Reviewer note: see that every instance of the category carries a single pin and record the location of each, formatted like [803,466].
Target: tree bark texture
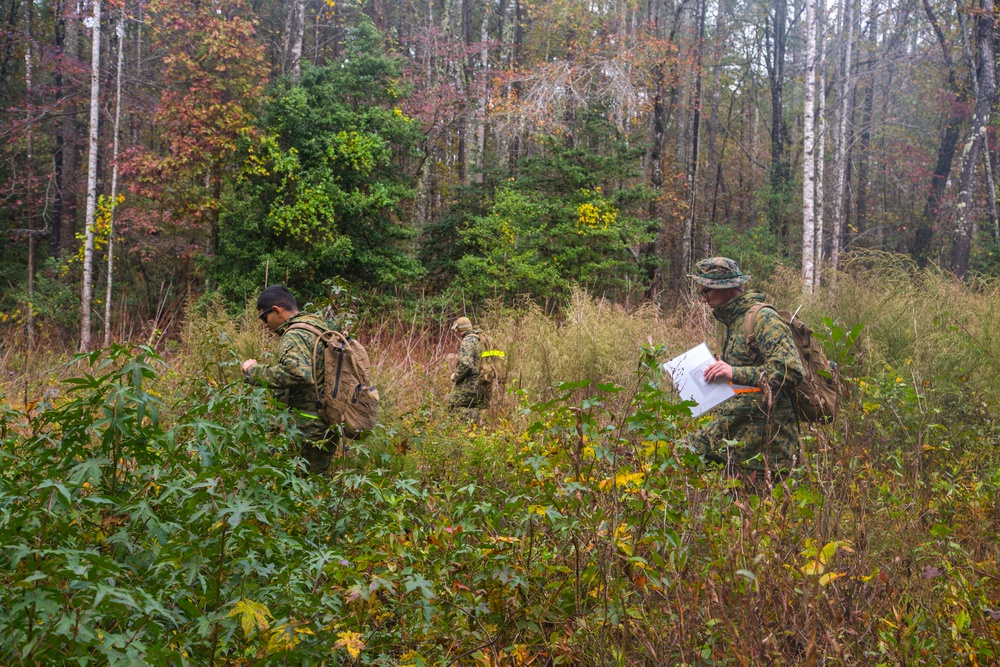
[986,90]
[87,288]
[809,154]
[120,31]
[843,130]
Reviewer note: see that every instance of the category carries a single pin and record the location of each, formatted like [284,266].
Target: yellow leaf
[351,641]
[826,555]
[282,638]
[869,577]
[251,614]
[813,568]
[828,577]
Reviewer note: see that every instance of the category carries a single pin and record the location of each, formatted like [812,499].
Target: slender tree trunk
[484,88]
[120,30]
[317,31]
[690,228]
[843,116]
[714,160]
[820,139]
[985,96]
[776,74]
[59,32]
[809,154]
[865,147]
[88,248]
[70,131]
[465,76]
[29,313]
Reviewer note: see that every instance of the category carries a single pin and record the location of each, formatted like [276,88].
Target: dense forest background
[154,149]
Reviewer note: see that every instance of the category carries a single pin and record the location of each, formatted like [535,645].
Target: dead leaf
[930,572]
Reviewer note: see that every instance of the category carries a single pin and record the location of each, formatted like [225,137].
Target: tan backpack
[817,397]
[493,368]
[347,397]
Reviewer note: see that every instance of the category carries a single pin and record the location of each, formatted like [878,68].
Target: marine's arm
[782,366]
[294,367]
[467,358]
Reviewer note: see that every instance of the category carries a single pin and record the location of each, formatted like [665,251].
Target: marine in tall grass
[469,394]
[294,378]
[754,434]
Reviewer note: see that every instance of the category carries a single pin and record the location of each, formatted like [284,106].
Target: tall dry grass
[925,322]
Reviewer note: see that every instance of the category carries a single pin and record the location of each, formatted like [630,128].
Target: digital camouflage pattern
[764,423]
[469,393]
[718,273]
[293,381]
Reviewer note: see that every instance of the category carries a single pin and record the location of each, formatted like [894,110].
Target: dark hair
[277,295]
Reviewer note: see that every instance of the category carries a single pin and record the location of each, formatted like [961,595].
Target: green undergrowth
[152,511]
[140,530]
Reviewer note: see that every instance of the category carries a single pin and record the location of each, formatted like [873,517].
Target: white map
[688,373]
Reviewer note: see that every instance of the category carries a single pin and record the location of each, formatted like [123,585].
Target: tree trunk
[29,314]
[986,90]
[991,188]
[820,139]
[690,228]
[776,74]
[865,147]
[714,160]
[70,132]
[809,154]
[484,88]
[924,234]
[844,113]
[295,28]
[120,31]
[88,248]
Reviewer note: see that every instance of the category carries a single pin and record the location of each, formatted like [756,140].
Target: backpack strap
[751,320]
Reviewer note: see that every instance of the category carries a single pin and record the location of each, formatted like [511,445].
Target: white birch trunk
[809,155]
[88,247]
[843,114]
[294,38]
[821,139]
[986,90]
[484,63]
[120,30]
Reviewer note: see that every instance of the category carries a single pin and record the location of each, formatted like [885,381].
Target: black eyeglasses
[704,290]
[263,316]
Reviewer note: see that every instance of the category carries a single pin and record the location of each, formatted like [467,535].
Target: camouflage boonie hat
[718,273]
[462,324]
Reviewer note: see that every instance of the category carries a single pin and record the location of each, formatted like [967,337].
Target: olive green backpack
[347,397]
[817,397]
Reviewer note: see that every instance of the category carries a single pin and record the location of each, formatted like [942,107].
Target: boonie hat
[462,324]
[718,273]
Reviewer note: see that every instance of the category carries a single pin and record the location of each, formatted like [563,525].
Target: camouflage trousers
[744,436]
[317,445]
[467,400]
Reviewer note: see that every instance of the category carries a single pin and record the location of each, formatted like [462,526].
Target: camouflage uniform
[469,393]
[763,423]
[294,374]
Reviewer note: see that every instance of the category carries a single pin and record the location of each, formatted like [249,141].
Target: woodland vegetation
[158,149]
[552,169]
